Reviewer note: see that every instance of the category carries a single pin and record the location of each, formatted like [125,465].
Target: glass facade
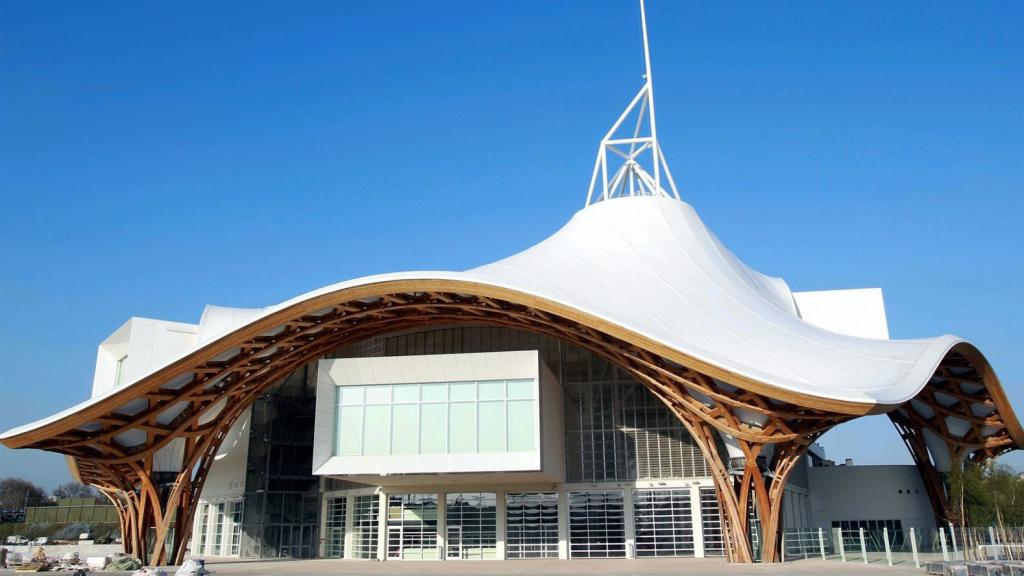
[412,527]
[236,528]
[471,526]
[281,516]
[597,524]
[531,525]
[365,526]
[436,418]
[711,521]
[663,522]
[334,525]
[615,431]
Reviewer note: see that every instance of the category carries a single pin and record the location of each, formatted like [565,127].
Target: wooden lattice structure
[188,407]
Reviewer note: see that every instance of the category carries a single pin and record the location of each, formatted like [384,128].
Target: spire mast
[655,149]
[629,150]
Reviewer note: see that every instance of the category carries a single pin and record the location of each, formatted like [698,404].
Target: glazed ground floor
[491,523]
[479,521]
[648,519]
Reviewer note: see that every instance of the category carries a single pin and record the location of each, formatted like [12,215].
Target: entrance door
[453,540]
[412,527]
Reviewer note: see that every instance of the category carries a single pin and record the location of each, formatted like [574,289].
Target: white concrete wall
[148,344]
[859,312]
[227,474]
[552,425]
[870,493]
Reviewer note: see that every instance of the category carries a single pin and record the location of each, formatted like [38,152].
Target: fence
[71,514]
[905,547]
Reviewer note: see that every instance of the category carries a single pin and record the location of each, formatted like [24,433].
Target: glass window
[494,390]
[407,393]
[350,431]
[435,392]
[405,429]
[365,527]
[377,394]
[597,527]
[521,429]
[463,391]
[492,426]
[462,427]
[377,431]
[471,524]
[532,525]
[436,418]
[520,389]
[434,429]
[350,394]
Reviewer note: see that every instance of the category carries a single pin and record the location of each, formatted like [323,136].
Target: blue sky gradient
[156,157]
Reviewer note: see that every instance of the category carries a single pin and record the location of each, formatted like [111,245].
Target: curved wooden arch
[960,409]
[195,400]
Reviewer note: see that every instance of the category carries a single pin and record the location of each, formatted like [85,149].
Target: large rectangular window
[531,525]
[412,526]
[236,527]
[597,525]
[480,417]
[711,521]
[218,535]
[365,526]
[664,523]
[471,521]
[335,526]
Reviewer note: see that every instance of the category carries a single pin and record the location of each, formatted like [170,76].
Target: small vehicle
[17,540]
[41,541]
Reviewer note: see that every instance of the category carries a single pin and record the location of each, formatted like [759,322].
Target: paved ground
[651,567]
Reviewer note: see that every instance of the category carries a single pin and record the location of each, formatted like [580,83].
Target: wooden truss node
[955,417]
[189,406]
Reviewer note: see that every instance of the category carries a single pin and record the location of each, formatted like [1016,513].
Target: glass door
[471,518]
[412,526]
[453,541]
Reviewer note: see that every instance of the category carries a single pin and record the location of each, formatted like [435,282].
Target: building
[625,388]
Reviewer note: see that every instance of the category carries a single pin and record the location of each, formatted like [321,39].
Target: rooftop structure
[634,278]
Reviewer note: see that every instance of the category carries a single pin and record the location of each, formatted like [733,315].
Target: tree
[987,495]
[74,490]
[17,493]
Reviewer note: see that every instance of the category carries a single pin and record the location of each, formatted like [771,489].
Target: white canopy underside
[651,266]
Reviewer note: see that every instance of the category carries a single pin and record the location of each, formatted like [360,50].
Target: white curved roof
[650,265]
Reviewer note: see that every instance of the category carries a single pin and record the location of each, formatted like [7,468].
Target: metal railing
[906,547]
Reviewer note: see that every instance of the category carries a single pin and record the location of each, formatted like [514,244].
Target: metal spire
[631,178]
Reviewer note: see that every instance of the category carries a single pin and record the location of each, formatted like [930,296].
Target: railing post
[840,543]
[952,538]
[913,548]
[821,541]
[885,538]
[863,547]
[942,541]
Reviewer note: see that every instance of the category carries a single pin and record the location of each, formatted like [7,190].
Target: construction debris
[123,564]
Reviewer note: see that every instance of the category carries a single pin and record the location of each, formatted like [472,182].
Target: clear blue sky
[157,157]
